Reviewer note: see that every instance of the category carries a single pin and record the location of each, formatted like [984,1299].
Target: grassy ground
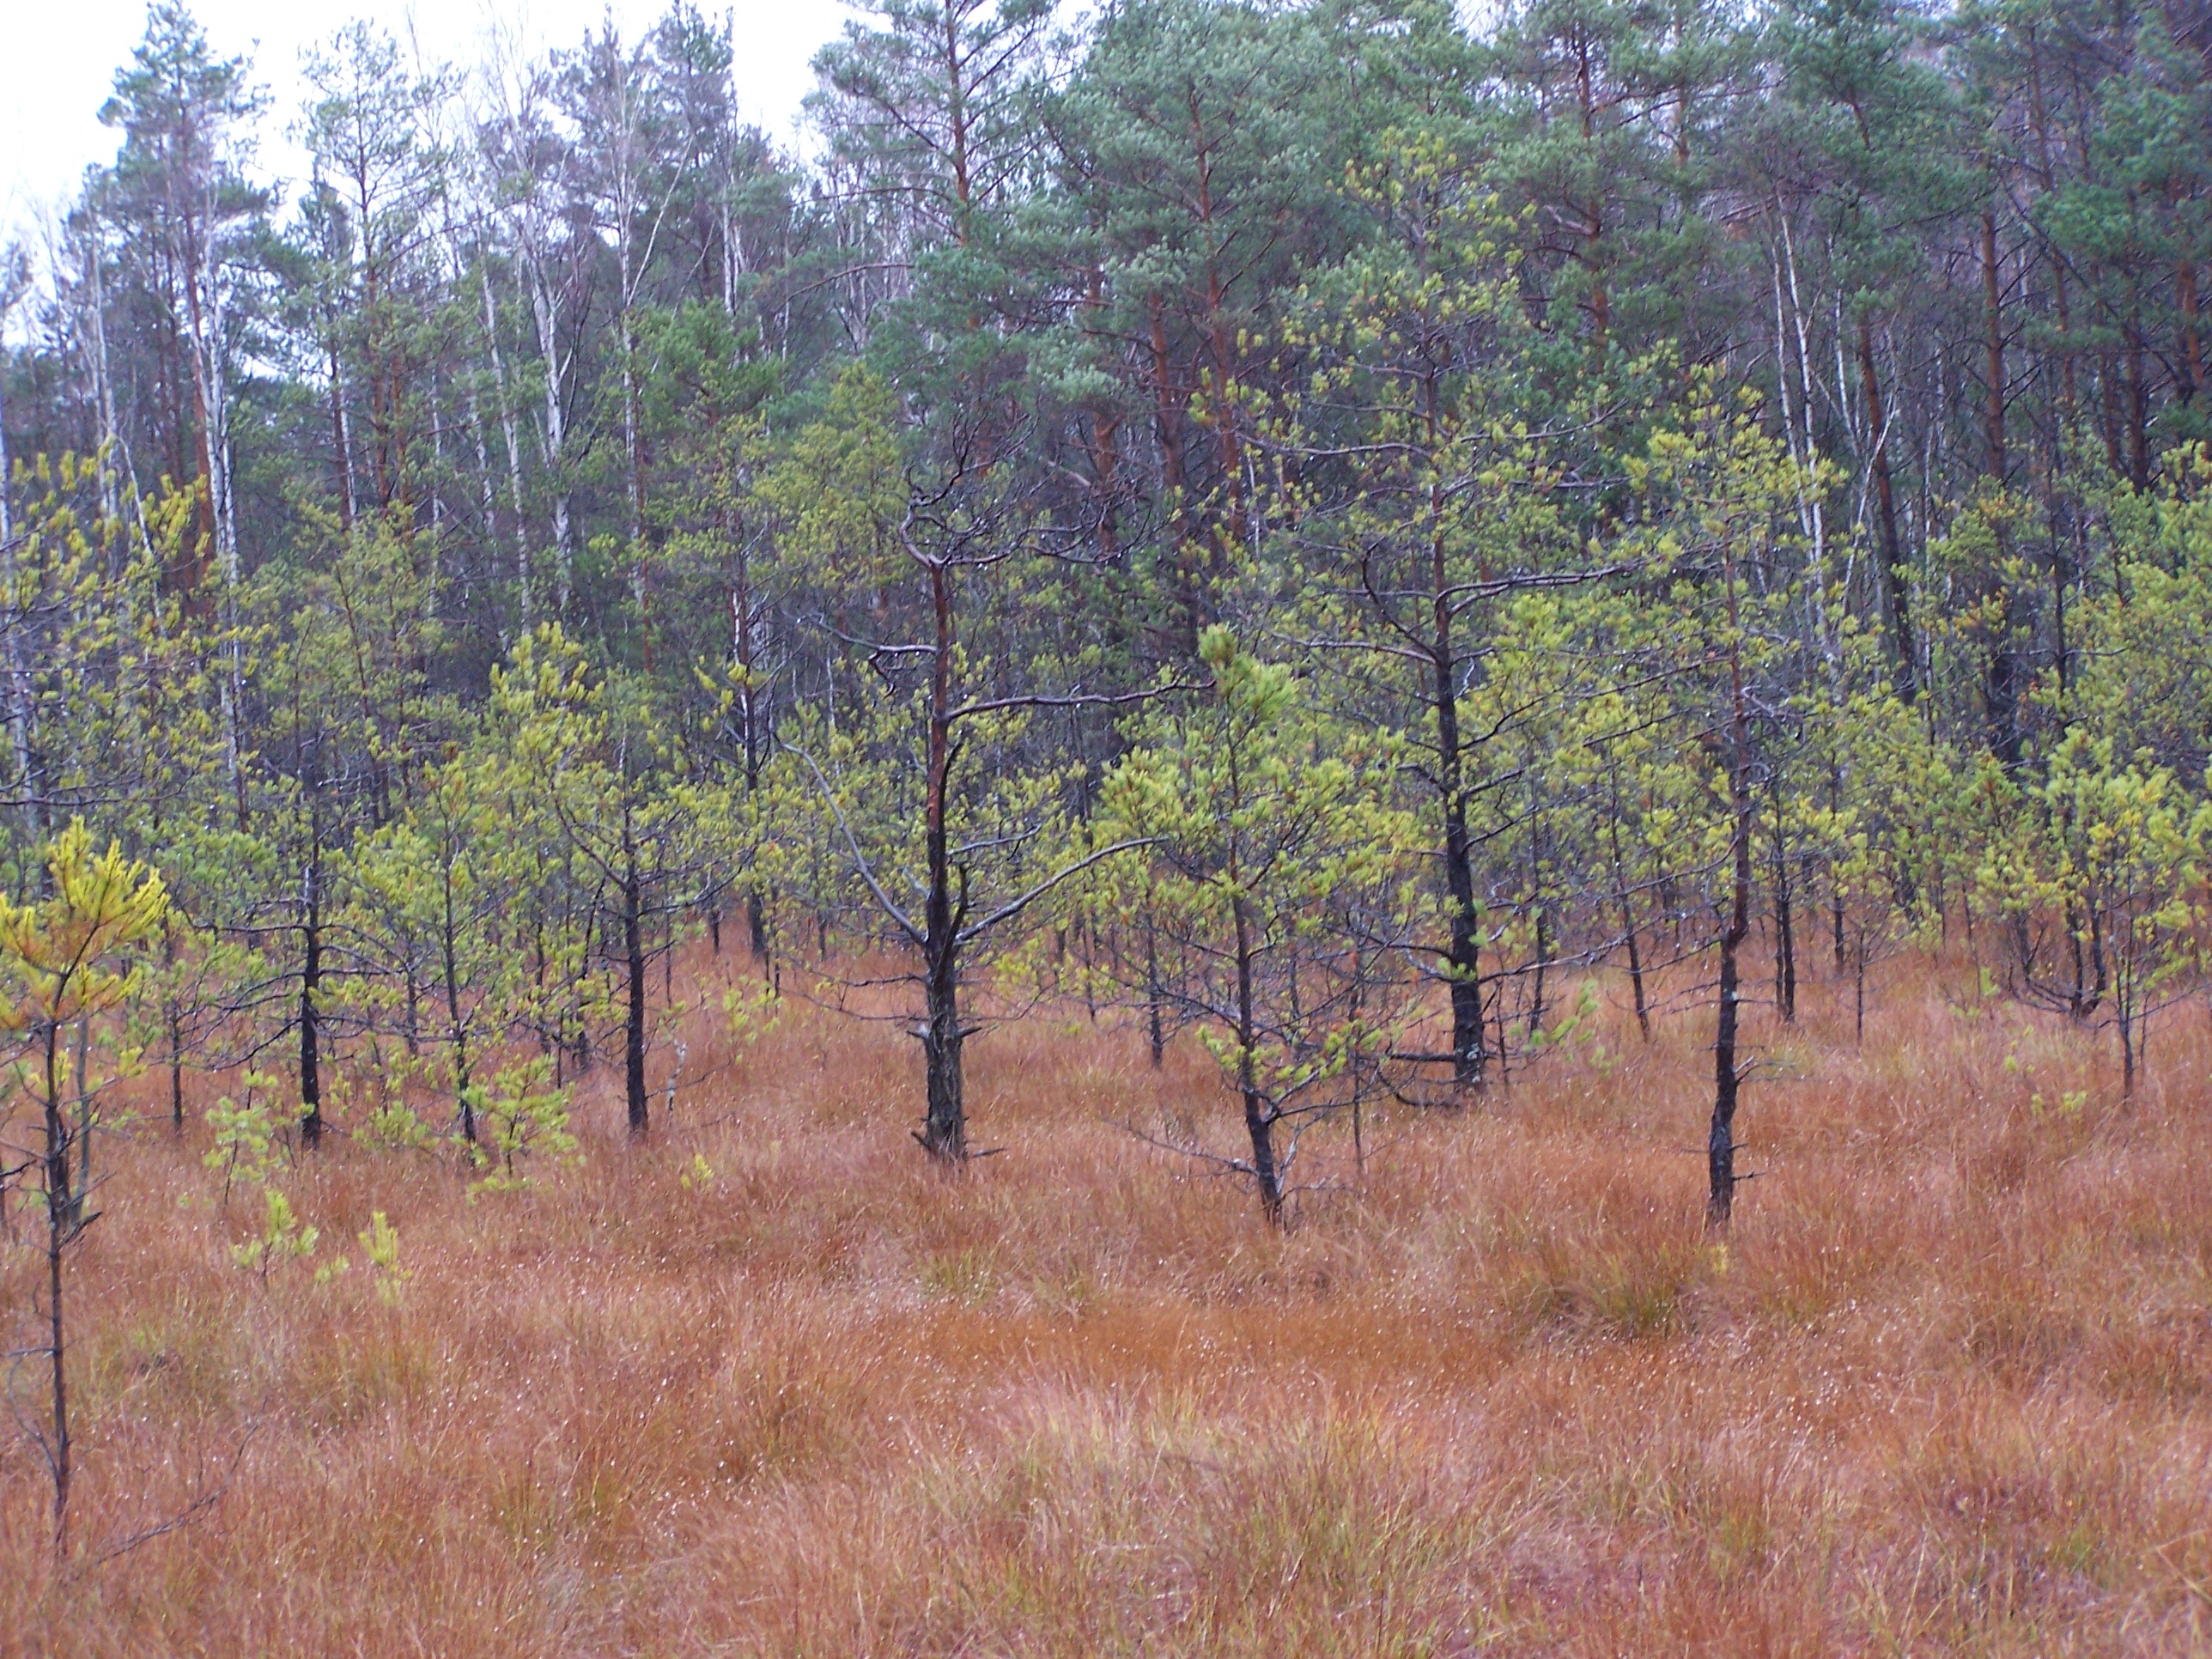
[1948,1389]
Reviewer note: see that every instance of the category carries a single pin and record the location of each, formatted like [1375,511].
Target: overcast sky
[63,55]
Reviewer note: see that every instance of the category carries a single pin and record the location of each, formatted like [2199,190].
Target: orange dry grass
[1946,1392]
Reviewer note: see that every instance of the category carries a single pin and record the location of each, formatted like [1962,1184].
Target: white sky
[63,55]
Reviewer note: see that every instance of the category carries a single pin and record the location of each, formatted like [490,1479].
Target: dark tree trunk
[945,1128]
[1636,972]
[1543,960]
[2128,1019]
[1154,1017]
[1463,960]
[1786,938]
[1836,890]
[633,954]
[311,986]
[1628,923]
[944,1125]
[756,927]
[176,1071]
[1720,1138]
[454,1024]
[1259,1115]
[63,1220]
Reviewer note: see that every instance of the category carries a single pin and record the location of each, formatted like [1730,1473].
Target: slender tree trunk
[1543,960]
[749,709]
[633,460]
[554,438]
[1785,938]
[2001,689]
[1994,322]
[633,955]
[1154,1023]
[311,985]
[1896,580]
[1463,958]
[1628,927]
[63,1221]
[207,393]
[1720,1140]
[176,1071]
[454,1023]
[1258,1118]
[944,1127]
[20,718]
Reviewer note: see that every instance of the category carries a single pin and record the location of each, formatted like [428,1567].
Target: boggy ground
[1945,1391]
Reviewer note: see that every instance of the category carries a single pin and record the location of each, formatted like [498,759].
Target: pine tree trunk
[62,1220]
[1720,1138]
[1628,926]
[633,957]
[944,1125]
[311,985]
[1259,1117]
[944,1128]
[1785,937]
[1463,958]
[1154,1020]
